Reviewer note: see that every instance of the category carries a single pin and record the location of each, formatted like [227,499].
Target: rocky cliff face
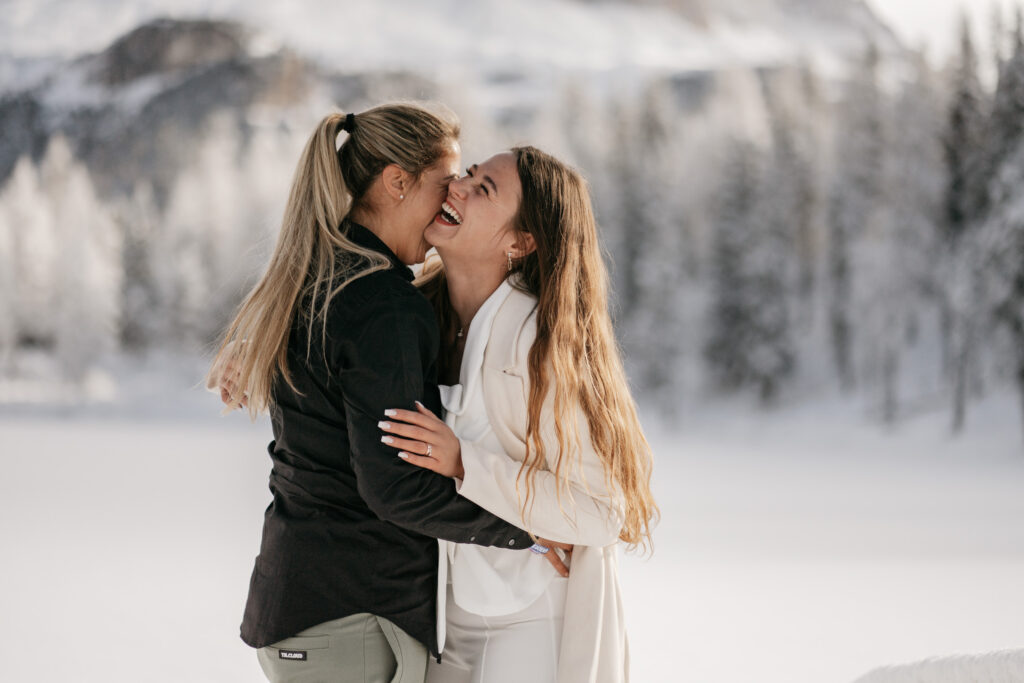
[131,110]
[166,47]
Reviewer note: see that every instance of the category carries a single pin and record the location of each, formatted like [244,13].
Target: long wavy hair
[575,356]
[314,258]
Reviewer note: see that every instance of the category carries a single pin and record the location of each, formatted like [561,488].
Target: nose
[459,187]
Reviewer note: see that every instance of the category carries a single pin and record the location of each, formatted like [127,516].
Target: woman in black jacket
[345,585]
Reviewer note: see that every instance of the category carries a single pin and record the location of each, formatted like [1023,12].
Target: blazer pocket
[505,398]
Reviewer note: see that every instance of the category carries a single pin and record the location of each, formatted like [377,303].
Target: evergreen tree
[750,342]
[965,198]
[811,145]
[87,273]
[1018,30]
[771,358]
[793,190]
[962,141]
[8,329]
[728,343]
[897,258]
[1002,239]
[633,227]
[854,201]
[33,245]
[218,230]
[141,303]
[649,259]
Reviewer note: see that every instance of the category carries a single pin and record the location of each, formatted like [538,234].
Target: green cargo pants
[361,648]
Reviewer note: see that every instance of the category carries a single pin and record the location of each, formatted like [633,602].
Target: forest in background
[771,232]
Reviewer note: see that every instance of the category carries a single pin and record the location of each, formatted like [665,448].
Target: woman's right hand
[229,386]
[225,379]
[553,558]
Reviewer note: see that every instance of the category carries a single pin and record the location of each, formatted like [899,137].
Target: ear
[396,181]
[524,245]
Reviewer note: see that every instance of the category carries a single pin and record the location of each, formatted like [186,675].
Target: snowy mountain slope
[447,34]
[127,110]
[141,76]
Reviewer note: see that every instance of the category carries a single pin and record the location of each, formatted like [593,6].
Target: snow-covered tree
[896,258]
[142,307]
[794,186]
[63,281]
[730,309]
[854,202]
[87,266]
[221,218]
[8,289]
[749,342]
[33,244]
[648,239]
[1002,238]
[963,143]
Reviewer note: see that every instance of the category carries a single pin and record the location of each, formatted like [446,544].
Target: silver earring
[509,254]
[401,196]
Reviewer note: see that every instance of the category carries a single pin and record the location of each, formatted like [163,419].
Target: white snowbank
[1006,666]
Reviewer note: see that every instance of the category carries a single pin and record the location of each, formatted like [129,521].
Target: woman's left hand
[424,440]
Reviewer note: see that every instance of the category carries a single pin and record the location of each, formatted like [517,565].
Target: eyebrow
[487,178]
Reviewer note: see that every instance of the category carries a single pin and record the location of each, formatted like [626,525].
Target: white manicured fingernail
[420,404]
[386,439]
[403,455]
[384,425]
[390,413]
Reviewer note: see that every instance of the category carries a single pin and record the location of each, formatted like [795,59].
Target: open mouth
[448,215]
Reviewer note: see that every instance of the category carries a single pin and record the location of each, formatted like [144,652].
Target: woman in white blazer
[541,428]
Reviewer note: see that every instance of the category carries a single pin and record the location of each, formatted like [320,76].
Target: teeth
[450,213]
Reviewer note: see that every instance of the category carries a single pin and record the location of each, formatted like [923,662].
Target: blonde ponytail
[314,259]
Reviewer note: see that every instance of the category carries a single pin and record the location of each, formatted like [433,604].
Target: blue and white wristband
[540,549]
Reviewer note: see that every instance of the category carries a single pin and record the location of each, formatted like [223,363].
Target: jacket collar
[364,237]
[456,397]
[512,334]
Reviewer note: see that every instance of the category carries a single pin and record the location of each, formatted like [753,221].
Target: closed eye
[481,186]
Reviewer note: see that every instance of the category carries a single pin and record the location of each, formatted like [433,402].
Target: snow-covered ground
[810,546]
[803,545]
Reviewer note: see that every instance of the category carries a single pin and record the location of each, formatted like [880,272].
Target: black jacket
[352,527]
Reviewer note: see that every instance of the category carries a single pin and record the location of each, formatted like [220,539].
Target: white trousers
[510,648]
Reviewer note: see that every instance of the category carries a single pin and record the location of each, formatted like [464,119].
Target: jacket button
[512,542]
[472,538]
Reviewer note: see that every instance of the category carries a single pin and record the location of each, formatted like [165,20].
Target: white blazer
[594,647]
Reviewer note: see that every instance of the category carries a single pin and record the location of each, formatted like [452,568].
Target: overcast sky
[936,21]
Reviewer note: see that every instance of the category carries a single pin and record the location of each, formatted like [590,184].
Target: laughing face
[475,221]
[419,206]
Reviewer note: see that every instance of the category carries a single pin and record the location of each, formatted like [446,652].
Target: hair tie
[350,124]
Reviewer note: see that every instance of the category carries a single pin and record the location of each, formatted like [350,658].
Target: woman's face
[475,221]
[421,204]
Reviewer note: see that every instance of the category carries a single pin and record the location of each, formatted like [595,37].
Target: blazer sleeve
[387,362]
[586,514]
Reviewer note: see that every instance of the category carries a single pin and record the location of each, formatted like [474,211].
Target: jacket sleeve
[387,360]
[586,514]
[581,517]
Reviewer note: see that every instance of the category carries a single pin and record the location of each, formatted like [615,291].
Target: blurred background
[814,218]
